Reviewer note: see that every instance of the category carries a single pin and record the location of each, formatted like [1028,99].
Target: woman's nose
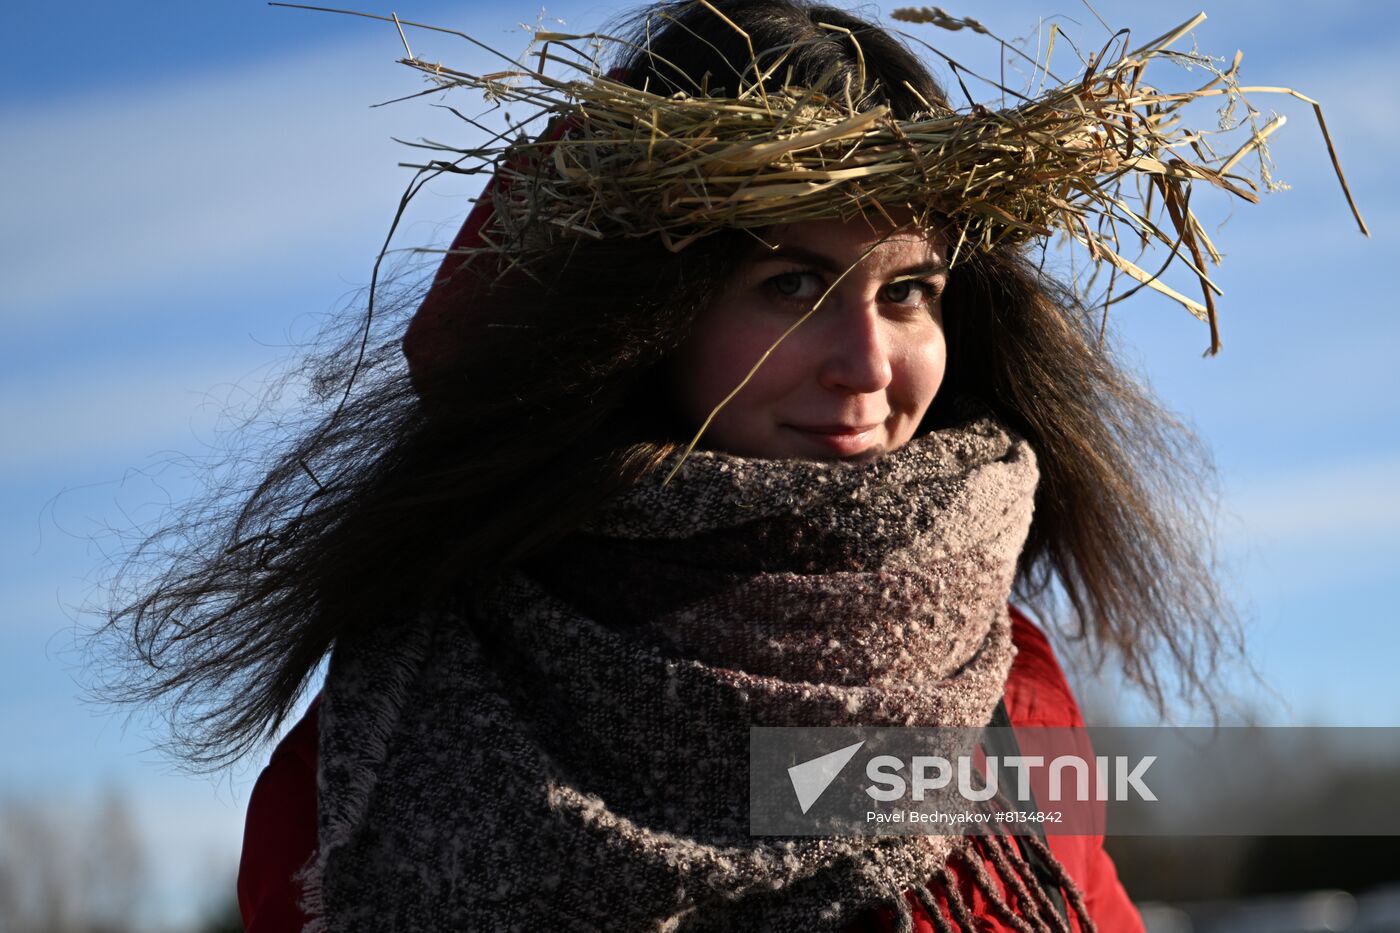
[855,357]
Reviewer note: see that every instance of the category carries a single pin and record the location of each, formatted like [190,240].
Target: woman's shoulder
[279,834]
[1037,693]
[300,742]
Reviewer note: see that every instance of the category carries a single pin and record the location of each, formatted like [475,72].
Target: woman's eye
[901,292]
[807,286]
[791,285]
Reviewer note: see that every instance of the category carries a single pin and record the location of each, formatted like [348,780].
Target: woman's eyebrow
[827,264]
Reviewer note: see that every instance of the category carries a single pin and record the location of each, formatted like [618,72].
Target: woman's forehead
[849,239]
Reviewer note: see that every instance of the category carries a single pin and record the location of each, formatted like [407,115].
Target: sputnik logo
[811,778]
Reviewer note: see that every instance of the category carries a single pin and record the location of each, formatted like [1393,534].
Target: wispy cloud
[1353,500]
[110,414]
[117,193]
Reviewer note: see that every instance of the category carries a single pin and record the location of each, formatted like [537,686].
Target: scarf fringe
[1037,914]
[930,905]
[1018,901]
[1073,895]
[957,905]
[1036,904]
[904,913]
[312,903]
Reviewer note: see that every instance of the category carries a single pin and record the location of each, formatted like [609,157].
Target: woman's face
[855,379]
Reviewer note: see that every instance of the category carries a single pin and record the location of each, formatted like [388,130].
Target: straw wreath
[1105,159]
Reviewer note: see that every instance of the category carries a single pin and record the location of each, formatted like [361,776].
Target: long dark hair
[559,400]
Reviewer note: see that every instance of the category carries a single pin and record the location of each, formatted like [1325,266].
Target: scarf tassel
[1037,914]
[308,877]
[1019,901]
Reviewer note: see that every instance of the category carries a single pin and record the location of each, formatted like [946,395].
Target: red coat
[280,833]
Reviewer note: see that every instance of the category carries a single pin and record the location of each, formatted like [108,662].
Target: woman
[550,624]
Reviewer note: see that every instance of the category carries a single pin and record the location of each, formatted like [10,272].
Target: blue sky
[188,187]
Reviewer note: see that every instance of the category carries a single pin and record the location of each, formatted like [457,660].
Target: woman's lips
[839,439]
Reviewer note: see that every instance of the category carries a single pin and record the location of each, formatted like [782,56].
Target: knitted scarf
[569,751]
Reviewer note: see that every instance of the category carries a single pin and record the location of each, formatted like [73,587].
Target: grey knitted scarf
[570,750]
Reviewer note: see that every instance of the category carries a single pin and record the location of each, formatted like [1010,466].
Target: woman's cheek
[923,355]
[720,353]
